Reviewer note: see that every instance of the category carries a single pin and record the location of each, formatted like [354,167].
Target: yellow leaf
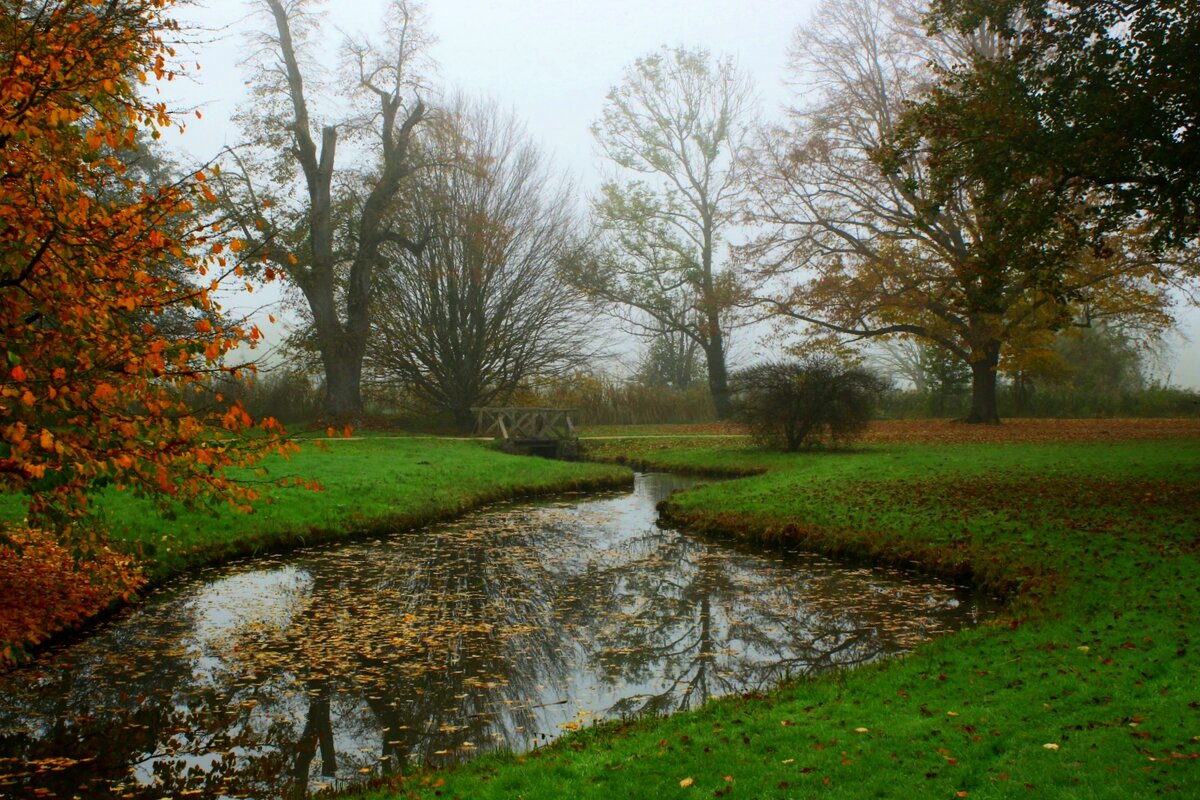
[686,782]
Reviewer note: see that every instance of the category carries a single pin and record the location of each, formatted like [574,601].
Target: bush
[804,404]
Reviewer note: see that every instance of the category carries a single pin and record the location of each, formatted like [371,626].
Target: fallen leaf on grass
[686,782]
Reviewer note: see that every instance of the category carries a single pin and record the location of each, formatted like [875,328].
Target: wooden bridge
[542,431]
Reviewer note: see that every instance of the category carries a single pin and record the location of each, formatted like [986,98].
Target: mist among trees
[901,214]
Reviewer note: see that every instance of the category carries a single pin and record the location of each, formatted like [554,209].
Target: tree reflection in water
[325,667]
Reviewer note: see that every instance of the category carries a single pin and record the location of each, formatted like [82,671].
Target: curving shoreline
[1083,687]
[474,476]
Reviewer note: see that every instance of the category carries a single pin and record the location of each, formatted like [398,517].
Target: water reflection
[500,631]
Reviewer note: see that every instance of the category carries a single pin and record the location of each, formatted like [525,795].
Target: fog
[550,62]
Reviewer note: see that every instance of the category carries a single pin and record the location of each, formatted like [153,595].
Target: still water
[322,668]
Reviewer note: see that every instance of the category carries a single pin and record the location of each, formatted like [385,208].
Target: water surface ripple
[321,668]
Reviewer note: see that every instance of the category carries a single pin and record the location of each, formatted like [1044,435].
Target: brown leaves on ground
[949,431]
[44,588]
[1088,503]
[1030,430]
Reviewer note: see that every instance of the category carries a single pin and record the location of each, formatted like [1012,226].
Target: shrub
[804,404]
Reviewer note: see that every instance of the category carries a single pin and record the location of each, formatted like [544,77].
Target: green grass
[369,485]
[1086,687]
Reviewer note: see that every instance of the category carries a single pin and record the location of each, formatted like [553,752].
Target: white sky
[550,61]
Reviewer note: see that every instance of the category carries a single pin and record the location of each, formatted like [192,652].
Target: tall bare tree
[674,128]
[477,307]
[328,223]
[868,242]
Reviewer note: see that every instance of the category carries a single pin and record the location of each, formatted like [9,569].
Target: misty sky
[550,61]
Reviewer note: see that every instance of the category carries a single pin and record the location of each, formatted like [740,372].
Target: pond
[503,630]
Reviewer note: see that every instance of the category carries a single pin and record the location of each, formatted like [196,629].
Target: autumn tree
[94,260]
[673,128]
[869,232]
[1105,96]
[477,308]
[328,221]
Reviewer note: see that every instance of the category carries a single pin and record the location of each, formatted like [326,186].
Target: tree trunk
[343,384]
[341,351]
[718,377]
[983,385]
[464,420]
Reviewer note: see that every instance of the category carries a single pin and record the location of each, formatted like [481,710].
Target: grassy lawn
[369,484]
[1086,687]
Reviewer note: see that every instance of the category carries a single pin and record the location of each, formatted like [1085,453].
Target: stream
[325,667]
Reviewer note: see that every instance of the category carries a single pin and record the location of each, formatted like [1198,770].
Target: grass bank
[370,485]
[1085,688]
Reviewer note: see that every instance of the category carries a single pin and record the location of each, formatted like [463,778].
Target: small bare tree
[477,308]
[327,225]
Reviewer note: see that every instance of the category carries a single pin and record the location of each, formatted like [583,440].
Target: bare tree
[671,359]
[867,243]
[674,126]
[327,225]
[478,307]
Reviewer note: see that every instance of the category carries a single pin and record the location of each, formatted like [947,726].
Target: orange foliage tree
[92,388]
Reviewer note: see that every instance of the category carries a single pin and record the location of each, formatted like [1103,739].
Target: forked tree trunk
[343,344]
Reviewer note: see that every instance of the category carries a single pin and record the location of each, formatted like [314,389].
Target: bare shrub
[817,401]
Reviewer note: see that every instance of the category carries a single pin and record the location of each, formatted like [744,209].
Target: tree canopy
[674,127]
[1102,96]
[879,228]
[92,261]
[477,308]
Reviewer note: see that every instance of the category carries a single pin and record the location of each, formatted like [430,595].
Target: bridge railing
[525,424]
